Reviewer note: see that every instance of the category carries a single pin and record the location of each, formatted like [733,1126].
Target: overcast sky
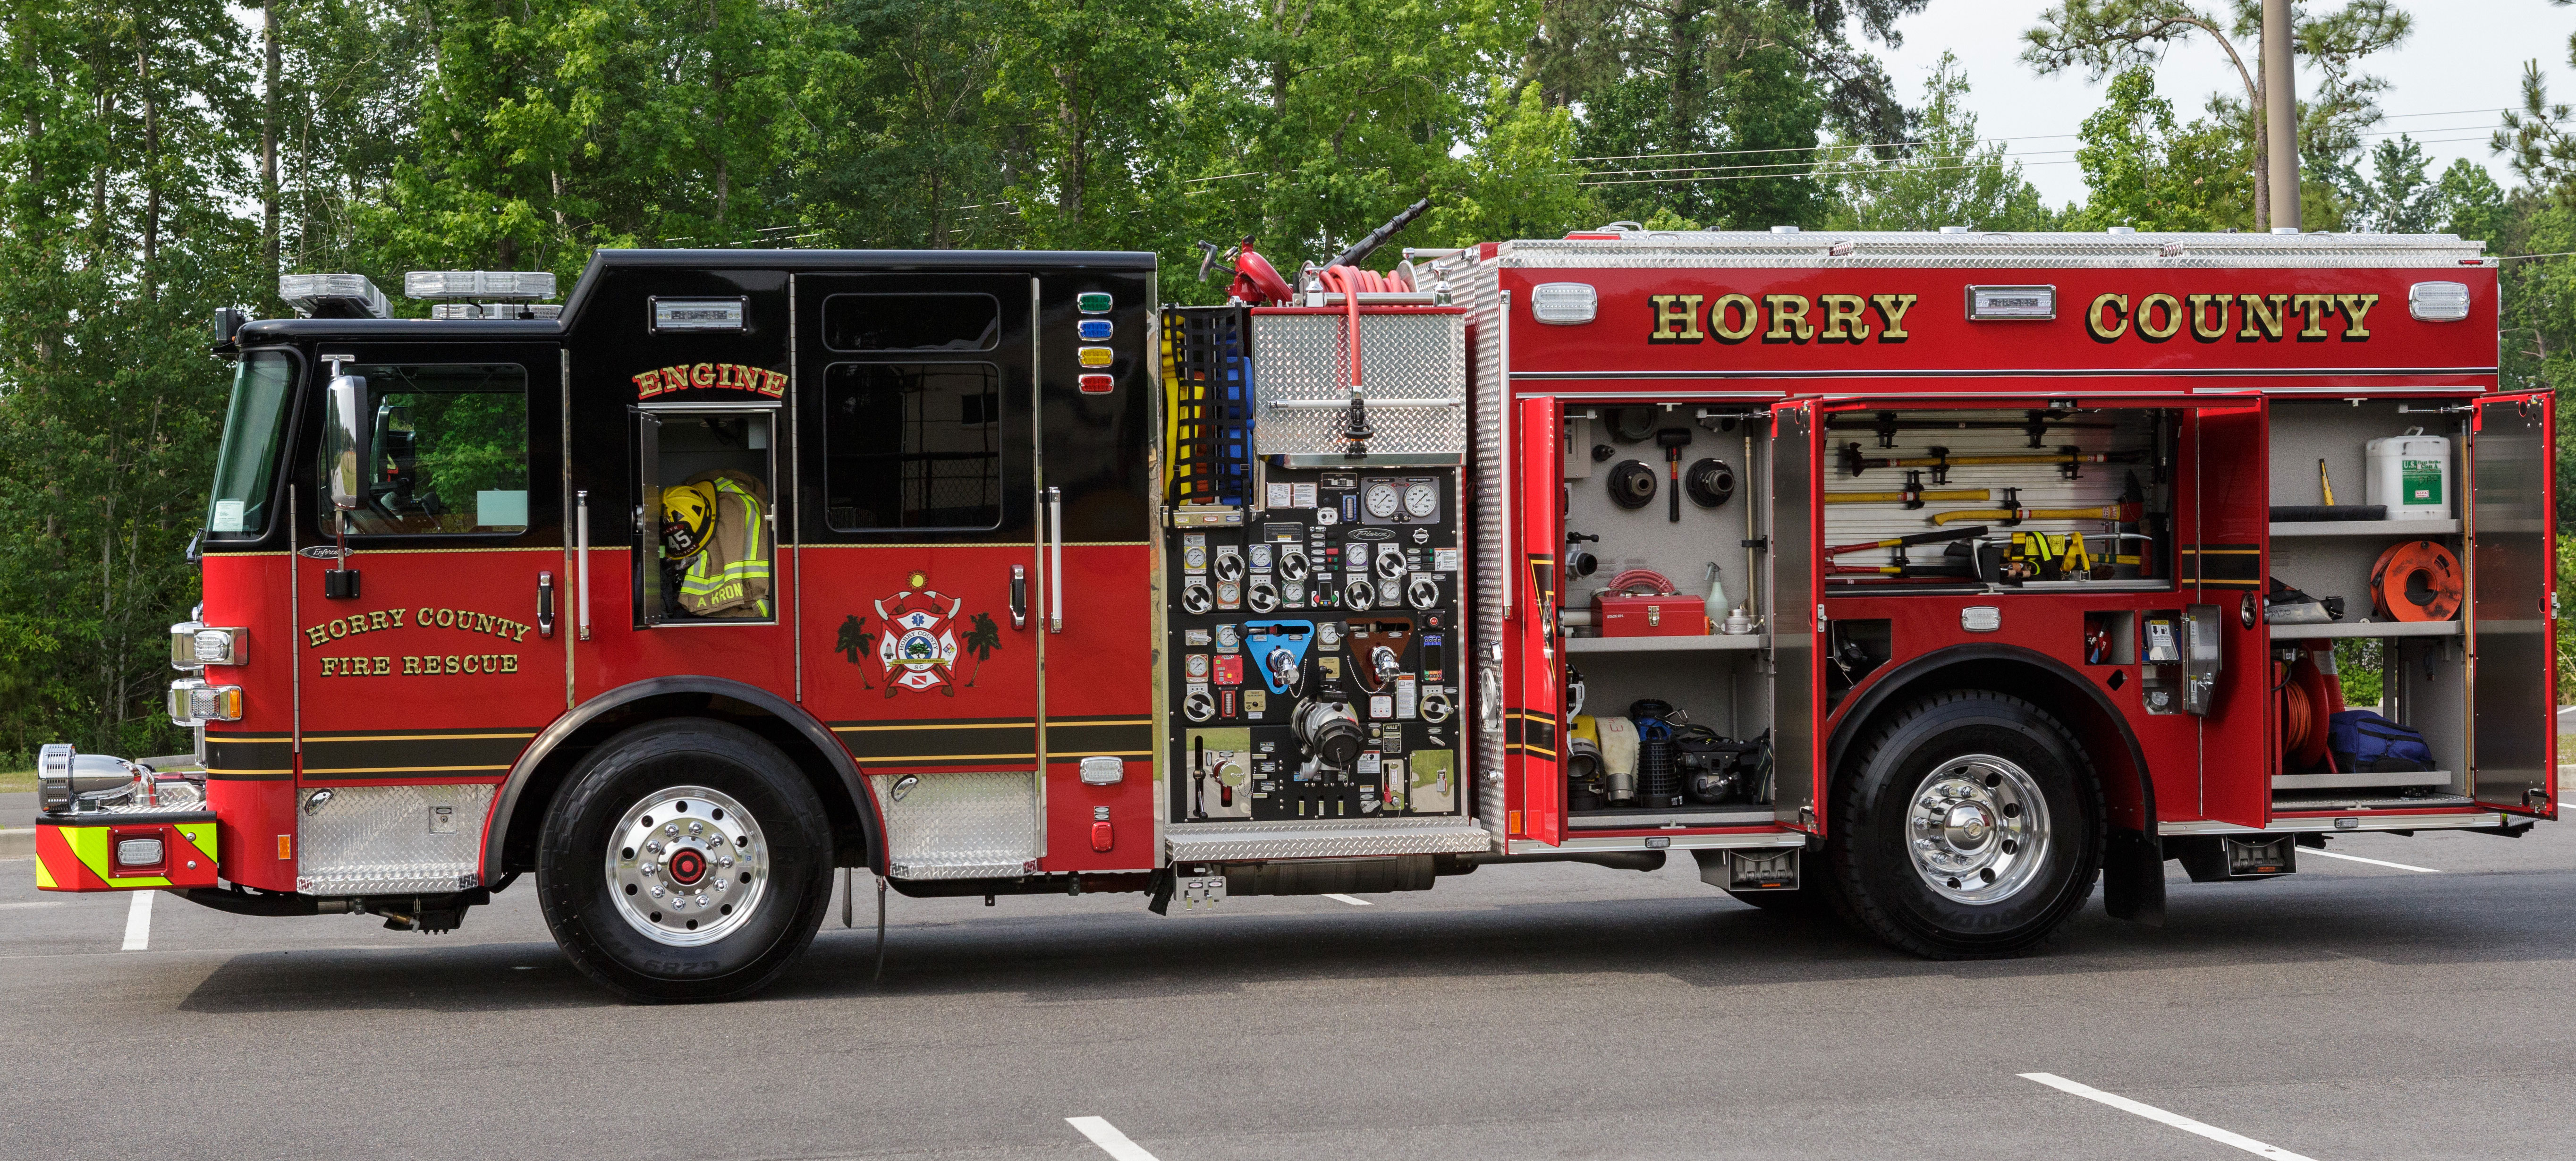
[2463,63]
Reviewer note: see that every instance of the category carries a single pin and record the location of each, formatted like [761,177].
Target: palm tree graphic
[856,642]
[982,640]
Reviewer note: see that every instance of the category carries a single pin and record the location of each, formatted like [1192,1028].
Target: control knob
[1264,597]
[1359,596]
[1423,592]
[1196,598]
[1292,564]
[1390,563]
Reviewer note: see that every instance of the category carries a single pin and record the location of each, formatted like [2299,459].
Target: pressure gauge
[1328,634]
[1383,501]
[1194,558]
[1421,500]
[1261,556]
[1197,665]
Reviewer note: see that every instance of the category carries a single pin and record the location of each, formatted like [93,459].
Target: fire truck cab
[1929,577]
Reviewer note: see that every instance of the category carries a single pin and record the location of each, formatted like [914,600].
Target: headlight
[192,701]
[195,646]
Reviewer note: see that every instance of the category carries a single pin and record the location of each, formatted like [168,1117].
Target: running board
[1355,838]
[2374,820]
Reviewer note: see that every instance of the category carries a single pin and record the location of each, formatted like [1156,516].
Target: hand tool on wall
[2013,513]
[2069,461]
[1673,440]
[1886,424]
[1912,496]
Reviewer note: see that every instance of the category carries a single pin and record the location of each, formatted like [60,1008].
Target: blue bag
[2365,743]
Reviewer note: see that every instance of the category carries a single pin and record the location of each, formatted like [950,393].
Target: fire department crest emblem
[919,646]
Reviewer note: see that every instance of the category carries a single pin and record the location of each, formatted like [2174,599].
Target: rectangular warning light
[1097,384]
[1999,303]
[1096,330]
[1092,302]
[1097,356]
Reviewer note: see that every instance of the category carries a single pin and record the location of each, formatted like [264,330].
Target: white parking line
[2153,1113]
[15,906]
[2372,862]
[1110,1140]
[138,921]
[1350,900]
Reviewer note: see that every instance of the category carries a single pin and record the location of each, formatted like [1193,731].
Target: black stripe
[1542,735]
[1078,737]
[2226,563]
[253,756]
[965,744]
[378,755]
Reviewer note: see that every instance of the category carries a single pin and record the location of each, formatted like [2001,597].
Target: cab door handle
[1019,596]
[546,604]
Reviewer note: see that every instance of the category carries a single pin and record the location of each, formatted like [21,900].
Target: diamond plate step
[1357,838]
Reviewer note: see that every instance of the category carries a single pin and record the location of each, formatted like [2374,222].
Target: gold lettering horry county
[1788,319]
[1676,319]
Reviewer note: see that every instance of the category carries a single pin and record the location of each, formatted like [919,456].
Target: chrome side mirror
[344,440]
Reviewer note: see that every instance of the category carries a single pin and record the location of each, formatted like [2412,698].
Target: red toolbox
[1644,604]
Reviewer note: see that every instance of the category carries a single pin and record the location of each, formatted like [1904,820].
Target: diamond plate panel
[963,826]
[1413,366]
[1711,248]
[1476,287]
[1330,840]
[384,840]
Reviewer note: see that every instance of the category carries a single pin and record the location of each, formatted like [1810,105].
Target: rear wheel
[1969,827]
[684,860]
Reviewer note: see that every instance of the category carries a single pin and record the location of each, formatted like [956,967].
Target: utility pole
[2280,116]
[268,138]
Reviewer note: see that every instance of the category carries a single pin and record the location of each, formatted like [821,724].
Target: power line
[1895,144]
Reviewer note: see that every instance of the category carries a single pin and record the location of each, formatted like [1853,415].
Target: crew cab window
[446,453]
[912,322]
[913,445]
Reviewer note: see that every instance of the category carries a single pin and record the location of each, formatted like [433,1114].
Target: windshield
[247,467]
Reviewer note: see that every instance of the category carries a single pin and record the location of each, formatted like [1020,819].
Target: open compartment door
[1797,617]
[2513,764]
[2224,561]
[1534,701]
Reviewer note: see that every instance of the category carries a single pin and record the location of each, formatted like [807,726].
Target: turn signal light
[192,701]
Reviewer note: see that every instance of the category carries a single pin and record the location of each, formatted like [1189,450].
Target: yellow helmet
[688,519]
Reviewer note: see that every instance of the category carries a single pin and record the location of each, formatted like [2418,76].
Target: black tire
[574,875]
[1878,883]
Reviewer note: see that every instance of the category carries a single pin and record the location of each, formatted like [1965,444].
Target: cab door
[1797,616]
[1096,386]
[917,453]
[430,653]
[2512,611]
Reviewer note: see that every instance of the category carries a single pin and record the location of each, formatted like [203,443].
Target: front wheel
[1969,827]
[684,860]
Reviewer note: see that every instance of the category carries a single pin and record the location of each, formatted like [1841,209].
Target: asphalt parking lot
[2354,1010]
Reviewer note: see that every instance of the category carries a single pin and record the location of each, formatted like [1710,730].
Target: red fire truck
[1930,577]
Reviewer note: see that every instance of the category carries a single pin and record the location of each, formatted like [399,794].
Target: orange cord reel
[2417,581]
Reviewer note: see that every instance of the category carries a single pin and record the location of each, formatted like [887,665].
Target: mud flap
[2133,878]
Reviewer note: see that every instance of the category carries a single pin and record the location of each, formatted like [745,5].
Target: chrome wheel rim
[687,866]
[1977,829]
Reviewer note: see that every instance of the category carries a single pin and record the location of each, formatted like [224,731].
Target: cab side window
[446,451]
[711,476]
[913,446]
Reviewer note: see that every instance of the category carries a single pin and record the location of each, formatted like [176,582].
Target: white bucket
[2411,474]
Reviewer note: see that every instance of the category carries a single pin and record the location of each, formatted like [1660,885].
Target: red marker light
[1095,384]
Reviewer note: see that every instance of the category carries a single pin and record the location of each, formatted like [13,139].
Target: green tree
[2104,37]
[1521,180]
[1945,177]
[124,135]
[2144,171]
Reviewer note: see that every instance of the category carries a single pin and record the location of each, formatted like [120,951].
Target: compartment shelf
[2366,629]
[2350,781]
[2413,528]
[1695,644]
